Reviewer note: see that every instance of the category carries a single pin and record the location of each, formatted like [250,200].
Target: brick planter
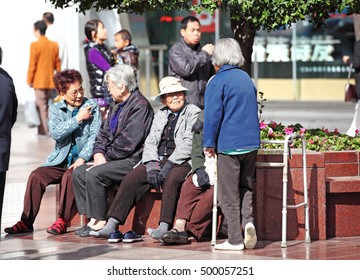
[333,180]
[342,194]
[268,196]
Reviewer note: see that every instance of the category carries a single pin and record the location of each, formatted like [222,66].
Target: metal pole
[293,59]
[217,25]
[147,72]
[284,198]
[161,64]
[256,69]
[215,206]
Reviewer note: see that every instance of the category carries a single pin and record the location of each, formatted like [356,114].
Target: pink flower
[302,130]
[263,125]
[356,131]
[289,130]
[336,131]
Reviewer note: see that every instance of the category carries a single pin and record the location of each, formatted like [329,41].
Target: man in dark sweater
[8,115]
[190,61]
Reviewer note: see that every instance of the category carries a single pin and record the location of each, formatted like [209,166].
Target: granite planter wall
[334,196]
[268,196]
[342,194]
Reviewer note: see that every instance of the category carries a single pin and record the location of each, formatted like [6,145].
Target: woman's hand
[346,59]
[78,162]
[84,114]
[98,159]
[209,152]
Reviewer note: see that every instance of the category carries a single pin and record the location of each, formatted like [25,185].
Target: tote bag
[350,89]
[32,118]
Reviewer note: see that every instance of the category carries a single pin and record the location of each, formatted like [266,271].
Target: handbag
[32,118]
[350,89]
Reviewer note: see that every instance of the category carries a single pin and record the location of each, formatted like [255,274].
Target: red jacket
[44,61]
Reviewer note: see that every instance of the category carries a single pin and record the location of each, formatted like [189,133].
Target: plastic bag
[32,118]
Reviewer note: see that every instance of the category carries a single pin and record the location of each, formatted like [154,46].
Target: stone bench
[342,180]
[333,181]
[144,215]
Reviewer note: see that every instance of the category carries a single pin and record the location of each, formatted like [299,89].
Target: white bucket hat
[170,84]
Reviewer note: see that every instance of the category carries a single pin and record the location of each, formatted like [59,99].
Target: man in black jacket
[190,61]
[8,115]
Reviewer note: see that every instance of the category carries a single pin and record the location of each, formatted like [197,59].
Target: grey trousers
[42,103]
[235,187]
[90,187]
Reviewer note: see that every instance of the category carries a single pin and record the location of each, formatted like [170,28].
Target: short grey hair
[122,74]
[227,51]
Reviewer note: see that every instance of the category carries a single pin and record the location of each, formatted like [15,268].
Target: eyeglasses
[76,92]
[110,87]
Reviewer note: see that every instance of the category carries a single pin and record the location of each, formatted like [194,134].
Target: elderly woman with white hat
[165,163]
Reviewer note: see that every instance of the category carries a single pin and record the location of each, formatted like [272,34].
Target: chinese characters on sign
[314,56]
[280,49]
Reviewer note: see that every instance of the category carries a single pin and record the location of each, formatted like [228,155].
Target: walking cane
[215,207]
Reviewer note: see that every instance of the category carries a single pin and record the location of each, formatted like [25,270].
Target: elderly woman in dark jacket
[73,123]
[165,162]
[118,147]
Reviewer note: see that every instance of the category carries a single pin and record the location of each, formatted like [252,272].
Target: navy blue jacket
[8,115]
[231,113]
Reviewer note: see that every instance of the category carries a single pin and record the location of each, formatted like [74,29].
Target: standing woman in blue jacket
[232,132]
[74,123]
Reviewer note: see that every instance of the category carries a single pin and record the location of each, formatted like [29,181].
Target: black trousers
[2,190]
[134,186]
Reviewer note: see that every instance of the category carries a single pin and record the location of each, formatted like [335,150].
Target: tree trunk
[244,33]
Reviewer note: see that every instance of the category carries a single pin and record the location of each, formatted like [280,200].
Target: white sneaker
[250,236]
[227,246]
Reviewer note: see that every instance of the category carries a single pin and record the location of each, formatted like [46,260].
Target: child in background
[125,52]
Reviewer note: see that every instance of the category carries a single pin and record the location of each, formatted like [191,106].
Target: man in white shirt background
[53,34]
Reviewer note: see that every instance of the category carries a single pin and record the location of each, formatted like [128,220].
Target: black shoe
[115,237]
[175,237]
[82,229]
[19,227]
[131,236]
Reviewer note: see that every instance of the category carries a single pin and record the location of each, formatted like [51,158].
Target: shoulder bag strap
[349,74]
